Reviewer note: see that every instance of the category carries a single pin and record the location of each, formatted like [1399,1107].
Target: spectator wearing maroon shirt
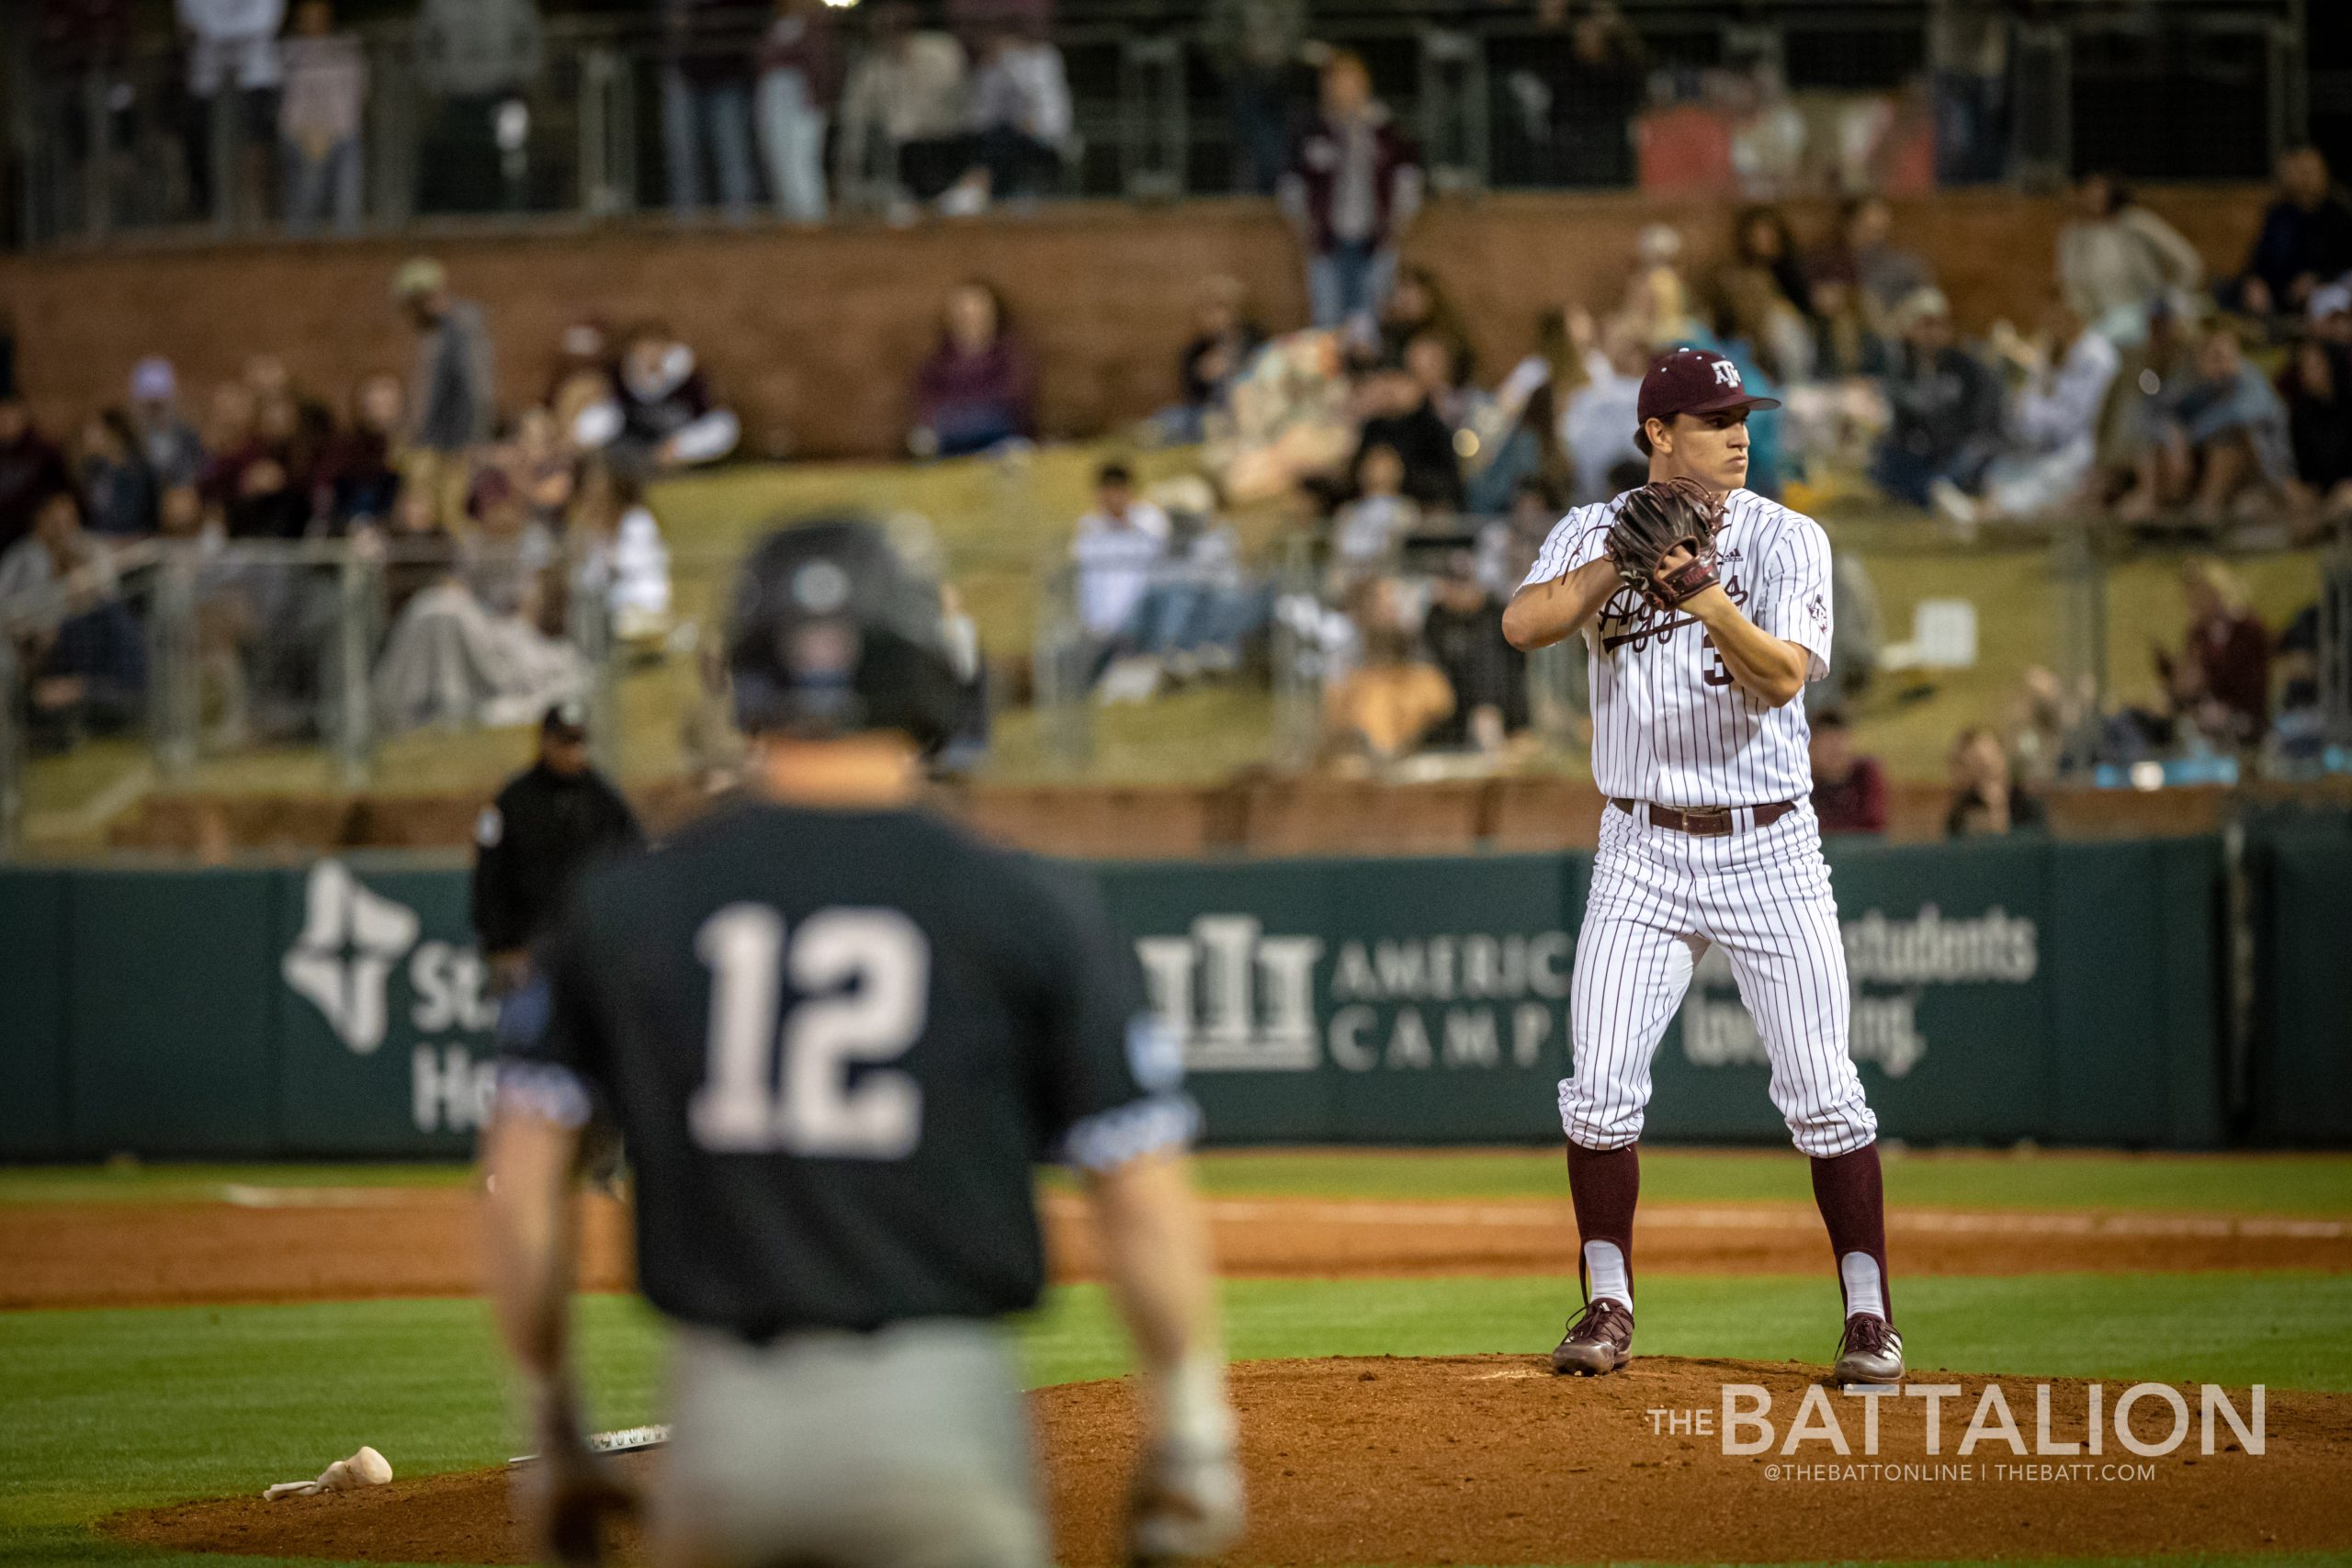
[1848,791]
[356,479]
[31,469]
[2220,683]
[1353,185]
[978,386]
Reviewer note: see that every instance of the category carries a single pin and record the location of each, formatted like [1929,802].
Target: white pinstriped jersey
[1668,723]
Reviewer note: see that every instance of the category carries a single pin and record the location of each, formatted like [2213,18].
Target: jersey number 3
[864,978]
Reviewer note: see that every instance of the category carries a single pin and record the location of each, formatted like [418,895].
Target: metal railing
[129,148]
[265,660]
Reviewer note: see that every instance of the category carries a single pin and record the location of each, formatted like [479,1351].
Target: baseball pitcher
[1706,609]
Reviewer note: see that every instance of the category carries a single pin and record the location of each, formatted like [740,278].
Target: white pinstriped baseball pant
[1658,897]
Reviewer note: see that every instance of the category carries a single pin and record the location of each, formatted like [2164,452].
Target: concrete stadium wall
[814,334]
[1267,817]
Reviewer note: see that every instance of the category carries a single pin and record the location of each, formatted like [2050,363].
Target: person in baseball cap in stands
[167,442]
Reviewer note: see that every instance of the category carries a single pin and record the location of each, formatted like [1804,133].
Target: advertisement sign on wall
[2015,989]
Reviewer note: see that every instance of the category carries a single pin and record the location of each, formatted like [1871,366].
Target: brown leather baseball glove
[1650,523]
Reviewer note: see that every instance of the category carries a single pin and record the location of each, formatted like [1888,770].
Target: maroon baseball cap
[1694,380]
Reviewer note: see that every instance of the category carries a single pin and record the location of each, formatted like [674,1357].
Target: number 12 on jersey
[864,977]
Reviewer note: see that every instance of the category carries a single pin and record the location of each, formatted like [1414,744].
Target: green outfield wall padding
[2303,1071]
[170,981]
[2002,991]
[33,1013]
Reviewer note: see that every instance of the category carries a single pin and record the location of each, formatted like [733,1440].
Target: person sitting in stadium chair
[1113,552]
[2218,685]
[1401,411]
[979,388]
[1020,122]
[2305,242]
[1946,406]
[1200,605]
[470,648]
[617,553]
[2118,263]
[1464,632]
[661,415]
[1598,417]
[1765,293]
[31,468]
[1367,531]
[83,654]
[1417,304]
[2050,437]
[2317,388]
[358,475]
[1224,337]
[2221,440]
[1862,256]
[1387,704]
[1987,798]
[901,114]
[2298,739]
[115,482]
[1849,789]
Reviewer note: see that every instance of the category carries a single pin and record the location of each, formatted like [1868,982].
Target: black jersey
[531,843]
[836,1042]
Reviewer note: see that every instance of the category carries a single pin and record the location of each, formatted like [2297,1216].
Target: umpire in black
[530,844]
[838,1032]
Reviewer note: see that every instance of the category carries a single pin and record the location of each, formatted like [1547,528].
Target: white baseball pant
[1658,897]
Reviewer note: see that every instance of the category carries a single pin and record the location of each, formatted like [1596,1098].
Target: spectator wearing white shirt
[1019,116]
[1114,549]
[231,45]
[2118,262]
[1598,419]
[1201,604]
[618,554]
[83,654]
[901,112]
[318,119]
[2051,440]
[1367,531]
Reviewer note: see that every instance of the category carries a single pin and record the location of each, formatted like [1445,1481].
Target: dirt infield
[1492,1460]
[328,1244]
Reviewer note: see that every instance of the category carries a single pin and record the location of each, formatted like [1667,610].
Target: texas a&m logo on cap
[1695,380]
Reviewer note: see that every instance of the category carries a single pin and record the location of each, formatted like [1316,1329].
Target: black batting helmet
[833,631]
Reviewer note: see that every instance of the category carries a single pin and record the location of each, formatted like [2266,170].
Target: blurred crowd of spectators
[493,533]
[2143,392]
[262,111]
[2230,690]
[2144,395]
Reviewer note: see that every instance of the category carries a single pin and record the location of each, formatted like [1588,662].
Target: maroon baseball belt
[1703,821]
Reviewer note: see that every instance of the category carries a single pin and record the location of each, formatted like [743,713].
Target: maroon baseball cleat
[1869,1351]
[1599,1339]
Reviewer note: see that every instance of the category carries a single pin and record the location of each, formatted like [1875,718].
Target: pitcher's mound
[1490,1458]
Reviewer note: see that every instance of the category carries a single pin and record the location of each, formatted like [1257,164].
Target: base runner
[1707,610]
[836,1031]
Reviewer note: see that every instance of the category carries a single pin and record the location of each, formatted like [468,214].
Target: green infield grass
[2010,1178]
[109,1409]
